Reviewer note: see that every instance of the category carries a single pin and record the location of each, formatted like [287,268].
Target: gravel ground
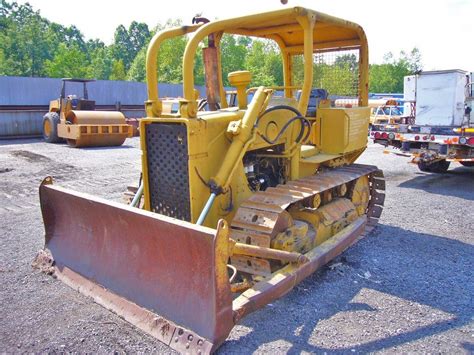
[407,287]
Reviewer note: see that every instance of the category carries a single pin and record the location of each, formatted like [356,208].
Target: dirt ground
[407,287]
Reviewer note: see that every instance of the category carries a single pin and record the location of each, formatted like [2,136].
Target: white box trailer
[443,131]
[409,88]
[440,98]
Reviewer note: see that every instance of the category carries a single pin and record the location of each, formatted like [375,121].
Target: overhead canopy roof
[284,26]
[77,80]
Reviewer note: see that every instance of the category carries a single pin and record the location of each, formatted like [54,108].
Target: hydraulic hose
[299,116]
[138,196]
[206,209]
[285,127]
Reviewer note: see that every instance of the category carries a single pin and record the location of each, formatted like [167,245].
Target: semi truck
[440,103]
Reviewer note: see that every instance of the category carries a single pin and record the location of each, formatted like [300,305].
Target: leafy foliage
[118,70]
[68,62]
[263,60]
[31,45]
[388,77]
[233,52]
[127,43]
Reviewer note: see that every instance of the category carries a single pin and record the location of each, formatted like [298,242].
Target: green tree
[127,43]
[57,34]
[233,53]
[5,9]
[199,68]
[121,47]
[298,70]
[338,76]
[413,60]
[67,62]
[118,70]
[338,79]
[139,35]
[263,60]
[347,60]
[388,77]
[170,60]
[93,45]
[100,63]
[23,41]
[27,40]
[137,71]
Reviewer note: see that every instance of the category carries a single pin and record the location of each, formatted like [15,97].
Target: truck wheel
[467,163]
[440,166]
[50,127]
[424,167]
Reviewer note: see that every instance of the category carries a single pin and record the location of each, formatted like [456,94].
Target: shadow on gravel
[30,156]
[469,347]
[445,184]
[412,271]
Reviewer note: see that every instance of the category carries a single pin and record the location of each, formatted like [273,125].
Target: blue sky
[443,30]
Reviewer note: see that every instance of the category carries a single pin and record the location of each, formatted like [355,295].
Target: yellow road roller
[75,120]
[236,205]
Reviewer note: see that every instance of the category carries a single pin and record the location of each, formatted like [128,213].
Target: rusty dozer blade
[165,276]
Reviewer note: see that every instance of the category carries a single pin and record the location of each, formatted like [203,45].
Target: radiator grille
[168,173]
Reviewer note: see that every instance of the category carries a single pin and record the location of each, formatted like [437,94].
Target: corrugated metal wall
[29,122]
[39,91]
[22,91]
[20,123]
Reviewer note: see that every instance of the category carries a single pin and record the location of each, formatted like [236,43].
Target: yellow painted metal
[460,130]
[54,105]
[240,80]
[307,22]
[222,92]
[208,144]
[296,238]
[218,140]
[94,128]
[363,70]
[243,136]
[87,128]
[328,32]
[217,151]
[361,194]
[47,128]
[327,220]
[270,253]
[95,117]
[343,130]
[94,135]
[153,104]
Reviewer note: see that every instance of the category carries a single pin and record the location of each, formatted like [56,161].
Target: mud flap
[165,276]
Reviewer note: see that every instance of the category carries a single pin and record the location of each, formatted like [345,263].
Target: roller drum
[95,117]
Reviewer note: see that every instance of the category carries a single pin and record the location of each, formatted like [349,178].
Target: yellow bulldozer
[236,206]
[76,121]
